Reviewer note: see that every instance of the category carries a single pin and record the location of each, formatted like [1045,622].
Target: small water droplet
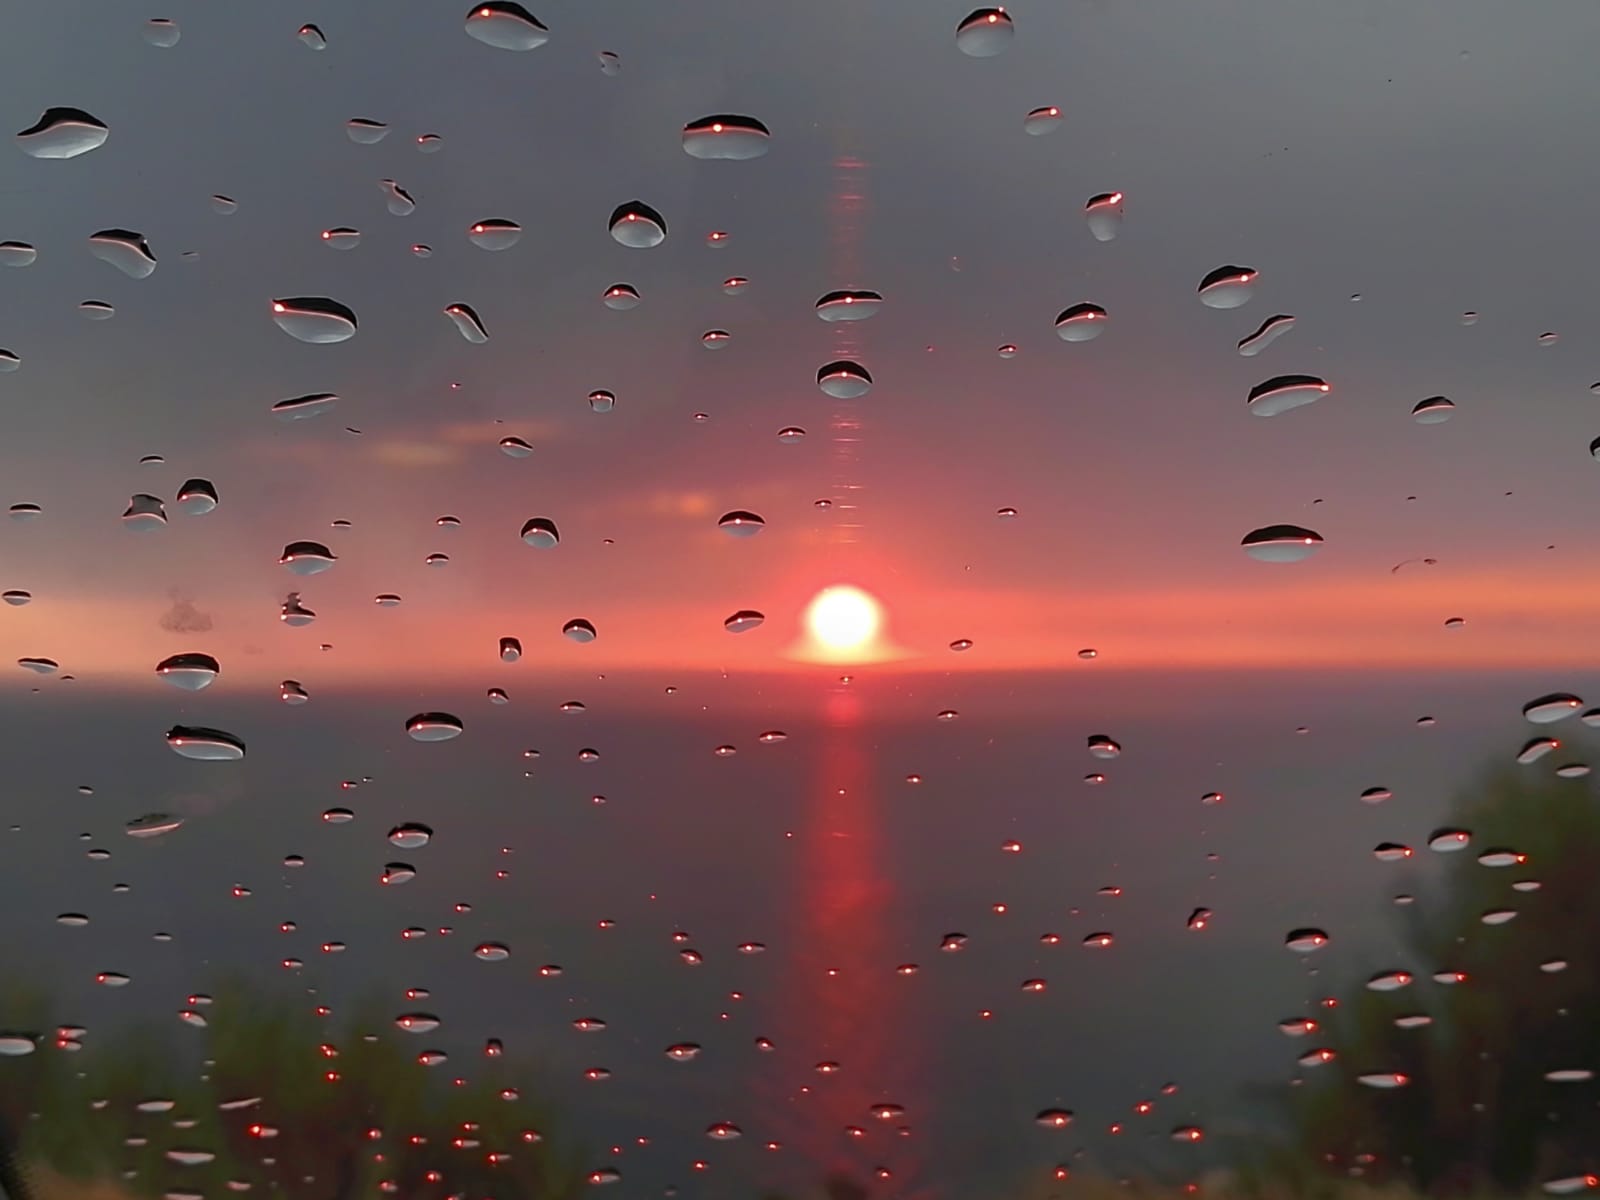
[985,32]
[637,225]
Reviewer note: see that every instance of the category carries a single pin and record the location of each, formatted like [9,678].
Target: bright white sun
[843,618]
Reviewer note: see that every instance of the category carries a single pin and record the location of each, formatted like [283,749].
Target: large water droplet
[17,254]
[307,558]
[1281,543]
[396,199]
[1103,215]
[1546,710]
[850,305]
[434,727]
[1227,287]
[620,297]
[506,26]
[341,237]
[410,836]
[197,497]
[1435,410]
[63,133]
[1080,323]
[144,513]
[365,132]
[638,226]
[541,532]
[740,523]
[311,36]
[314,319]
[1283,392]
[985,32]
[727,137]
[162,32]
[1270,330]
[125,250]
[579,630]
[844,380]
[467,323]
[494,234]
[205,745]
[191,672]
[743,621]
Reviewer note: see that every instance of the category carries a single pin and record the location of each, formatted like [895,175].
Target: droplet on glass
[467,323]
[366,132]
[985,32]
[1547,710]
[541,532]
[1041,121]
[852,305]
[1081,322]
[17,254]
[740,523]
[16,597]
[620,297]
[311,36]
[743,621]
[715,339]
[1103,215]
[579,630]
[162,32]
[298,408]
[429,143]
[341,237]
[726,137]
[1227,287]
[63,133]
[637,225]
[314,319]
[1304,941]
[434,727]
[515,447]
[205,745]
[790,435]
[494,234]
[293,692]
[506,26]
[197,497]
[97,310]
[144,513]
[1435,410]
[1283,392]
[610,64]
[844,380]
[307,558]
[510,650]
[1102,746]
[398,201]
[1281,543]
[124,249]
[1268,332]
[191,672]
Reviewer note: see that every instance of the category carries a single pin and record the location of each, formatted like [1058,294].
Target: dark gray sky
[1424,159]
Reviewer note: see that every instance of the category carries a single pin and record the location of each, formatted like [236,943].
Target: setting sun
[843,618]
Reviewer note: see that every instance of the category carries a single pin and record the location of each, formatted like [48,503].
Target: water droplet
[844,380]
[741,524]
[734,285]
[16,597]
[17,254]
[152,825]
[1283,392]
[1268,332]
[515,447]
[1281,543]
[985,32]
[789,435]
[1081,322]
[851,305]
[417,1022]
[410,836]
[124,249]
[683,1051]
[723,1131]
[1227,287]
[299,408]
[494,234]
[743,621]
[205,745]
[602,401]
[397,873]
[510,650]
[314,319]
[97,310]
[1389,981]
[433,727]
[1041,121]
[1435,410]
[63,133]
[638,226]
[506,26]
[1304,941]
[197,497]
[1549,339]
[726,137]
[715,339]
[397,199]
[492,952]
[961,644]
[366,132]
[295,614]
[15,1045]
[1102,746]
[162,32]
[1554,707]
[311,36]
[579,630]
[191,672]
[341,237]
[1448,841]
[541,532]
[610,64]
[144,513]
[307,558]
[620,297]
[467,323]
[429,143]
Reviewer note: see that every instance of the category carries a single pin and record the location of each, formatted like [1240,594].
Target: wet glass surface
[791,600]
